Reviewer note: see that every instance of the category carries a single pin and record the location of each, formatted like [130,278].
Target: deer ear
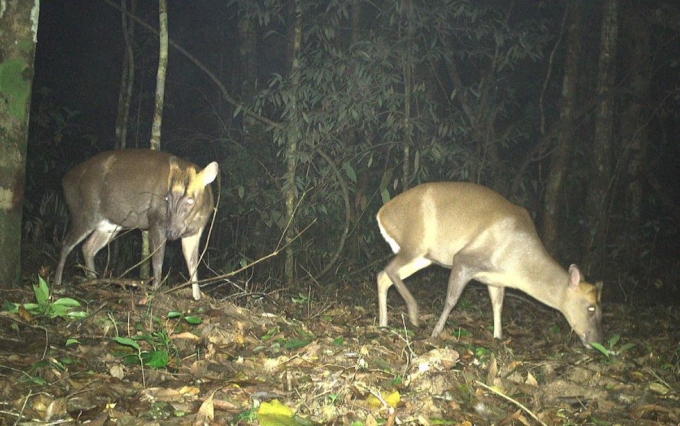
[575,276]
[208,174]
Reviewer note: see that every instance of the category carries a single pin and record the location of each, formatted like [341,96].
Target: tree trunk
[292,137]
[127,75]
[634,129]
[19,23]
[407,65]
[565,136]
[160,75]
[124,97]
[155,142]
[601,165]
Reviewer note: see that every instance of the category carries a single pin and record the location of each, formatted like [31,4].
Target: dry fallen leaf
[531,380]
[206,411]
[117,371]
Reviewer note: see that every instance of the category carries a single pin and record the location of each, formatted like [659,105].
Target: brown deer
[138,188]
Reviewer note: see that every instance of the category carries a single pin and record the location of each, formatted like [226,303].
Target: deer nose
[173,234]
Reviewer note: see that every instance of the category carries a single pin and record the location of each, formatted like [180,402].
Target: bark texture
[565,136]
[597,199]
[18,37]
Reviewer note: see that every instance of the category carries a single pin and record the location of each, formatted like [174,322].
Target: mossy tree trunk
[19,23]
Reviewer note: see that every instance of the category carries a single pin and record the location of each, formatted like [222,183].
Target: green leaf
[626,347]
[156,359]
[10,307]
[66,302]
[193,320]
[613,340]
[54,311]
[385,195]
[42,292]
[270,333]
[349,171]
[296,343]
[38,381]
[72,341]
[601,349]
[126,342]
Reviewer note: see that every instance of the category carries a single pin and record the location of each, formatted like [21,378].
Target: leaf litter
[321,359]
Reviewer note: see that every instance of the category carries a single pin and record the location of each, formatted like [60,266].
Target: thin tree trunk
[564,144]
[19,23]
[601,168]
[127,75]
[127,78]
[407,64]
[160,75]
[155,142]
[292,137]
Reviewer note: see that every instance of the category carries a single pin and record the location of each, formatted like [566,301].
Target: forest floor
[318,357]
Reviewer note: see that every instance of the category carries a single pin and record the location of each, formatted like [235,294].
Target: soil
[318,357]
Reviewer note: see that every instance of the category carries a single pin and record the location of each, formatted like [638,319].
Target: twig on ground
[517,403]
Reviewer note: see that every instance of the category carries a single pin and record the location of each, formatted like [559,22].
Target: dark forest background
[569,109]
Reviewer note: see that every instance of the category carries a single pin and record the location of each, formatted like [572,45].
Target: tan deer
[479,235]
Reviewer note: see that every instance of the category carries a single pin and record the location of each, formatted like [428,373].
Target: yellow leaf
[275,414]
[391,400]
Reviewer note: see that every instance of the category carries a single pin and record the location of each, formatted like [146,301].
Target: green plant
[301,299]
[62,308]
[460,332]
[249,415]
[271,333]
[482,353]
[611,343]
[60,365]
[157,357]
[398,380]
[181,317]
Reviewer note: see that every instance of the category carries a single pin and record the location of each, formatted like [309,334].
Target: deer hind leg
[76,234]
[401,267]
[104,234]
[496,294]
[458,279]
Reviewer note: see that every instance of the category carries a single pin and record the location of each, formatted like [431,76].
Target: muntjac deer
[137,188]
[479,235]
